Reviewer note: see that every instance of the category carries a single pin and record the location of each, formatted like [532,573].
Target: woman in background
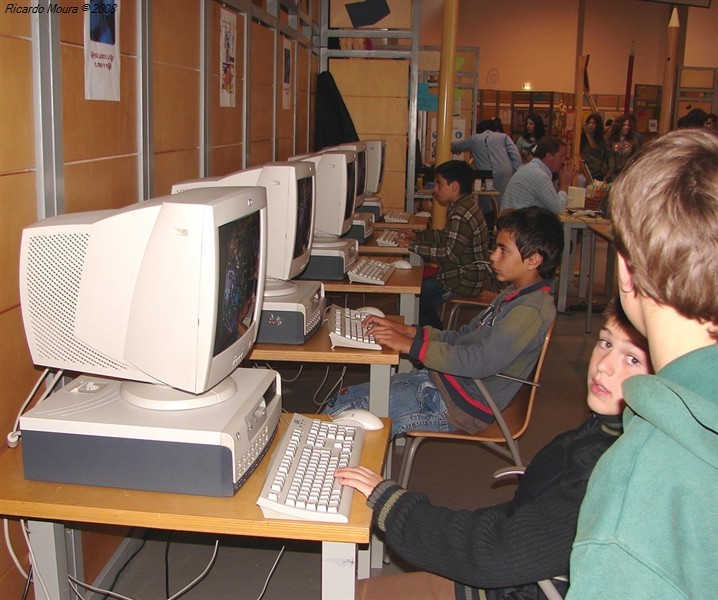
[594,149]
[534,130]
[622,142]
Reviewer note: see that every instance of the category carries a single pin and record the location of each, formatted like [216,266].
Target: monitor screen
[335,190]
[305,214]
[361,167]
[238,271]
[290,190]
[163,292]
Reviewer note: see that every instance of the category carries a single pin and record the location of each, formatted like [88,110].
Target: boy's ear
[625,279]
[534,261]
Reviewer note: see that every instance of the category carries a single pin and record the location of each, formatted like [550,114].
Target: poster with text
[227,57]
[102,50]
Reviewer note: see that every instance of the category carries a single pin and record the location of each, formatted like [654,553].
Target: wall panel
[101,184]
[17,146]
[172,167]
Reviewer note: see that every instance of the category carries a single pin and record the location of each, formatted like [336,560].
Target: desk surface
[238,515]
[319,349]
[371,247]
[402,281]
[602,230]
[415,223]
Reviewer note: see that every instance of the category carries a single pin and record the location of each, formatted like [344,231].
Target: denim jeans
[432,295]
[414,403]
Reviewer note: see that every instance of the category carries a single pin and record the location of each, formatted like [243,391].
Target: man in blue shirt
[531,185]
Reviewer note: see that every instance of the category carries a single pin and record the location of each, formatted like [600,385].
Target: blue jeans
[432,295]
[414,403]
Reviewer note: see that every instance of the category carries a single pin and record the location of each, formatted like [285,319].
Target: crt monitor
[335,192]
[375,159]
[361,168]
[290,210]
[164,295]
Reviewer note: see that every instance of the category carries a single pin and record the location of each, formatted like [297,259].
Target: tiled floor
[453,475]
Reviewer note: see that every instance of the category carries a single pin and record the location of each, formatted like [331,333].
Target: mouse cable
[271,572]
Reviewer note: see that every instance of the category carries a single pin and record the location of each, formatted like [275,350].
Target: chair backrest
[517,415]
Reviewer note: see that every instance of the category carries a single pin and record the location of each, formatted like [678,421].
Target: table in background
[572,226]
[602,230]
[48,506]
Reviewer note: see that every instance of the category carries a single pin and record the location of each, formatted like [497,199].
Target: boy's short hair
[664,214]
[459,171]
[535,230]
[614,312]
[548,145]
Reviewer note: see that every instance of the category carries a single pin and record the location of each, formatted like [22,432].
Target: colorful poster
[227,57]
[102,50]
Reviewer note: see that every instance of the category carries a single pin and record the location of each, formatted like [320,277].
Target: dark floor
[453,475]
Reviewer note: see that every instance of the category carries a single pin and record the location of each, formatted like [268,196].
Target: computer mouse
[359,417]
[423,213]
[401,264]
[371,310]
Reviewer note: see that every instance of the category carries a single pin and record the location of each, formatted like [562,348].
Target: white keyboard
[370,270]
[300,481]
[388,237]
[396,216]
[345,329]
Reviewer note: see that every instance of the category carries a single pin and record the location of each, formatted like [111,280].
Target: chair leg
[453,317]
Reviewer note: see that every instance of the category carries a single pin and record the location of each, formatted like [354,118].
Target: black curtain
[333,124]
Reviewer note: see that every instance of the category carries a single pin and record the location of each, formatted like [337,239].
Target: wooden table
[572,225]
[318,349]
[48,506]
[415,224]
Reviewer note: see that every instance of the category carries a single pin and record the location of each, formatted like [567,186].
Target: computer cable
[13,438]
[271,572]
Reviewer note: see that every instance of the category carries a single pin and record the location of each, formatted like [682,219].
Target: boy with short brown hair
[649,524]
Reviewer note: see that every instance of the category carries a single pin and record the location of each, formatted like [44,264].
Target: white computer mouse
[423,213]
[358,417]
[402,264]
[371,310]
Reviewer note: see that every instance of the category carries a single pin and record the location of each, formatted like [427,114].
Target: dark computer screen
[239,255]
[305,192]
[361,172]
[351,184]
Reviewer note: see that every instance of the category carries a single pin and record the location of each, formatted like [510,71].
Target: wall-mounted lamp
[527,85]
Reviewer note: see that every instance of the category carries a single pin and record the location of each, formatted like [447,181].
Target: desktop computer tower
[292,318]
[362,227]
[87,433]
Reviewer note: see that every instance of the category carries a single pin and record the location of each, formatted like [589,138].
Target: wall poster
[102,50]
[227,57]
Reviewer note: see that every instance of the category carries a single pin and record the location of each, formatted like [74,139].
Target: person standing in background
[491,151]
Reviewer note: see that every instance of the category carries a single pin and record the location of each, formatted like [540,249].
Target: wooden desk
[405,282]
[48,506]
[318,349]
[572,226]
[415,223]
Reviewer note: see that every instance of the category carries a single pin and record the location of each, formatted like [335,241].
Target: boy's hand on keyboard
[360,478]
[391,338]
[379,322]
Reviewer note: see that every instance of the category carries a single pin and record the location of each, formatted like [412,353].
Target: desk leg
[585,257]
[47,541]
[591,278]
[339,571]
[409,309]
[566,269]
